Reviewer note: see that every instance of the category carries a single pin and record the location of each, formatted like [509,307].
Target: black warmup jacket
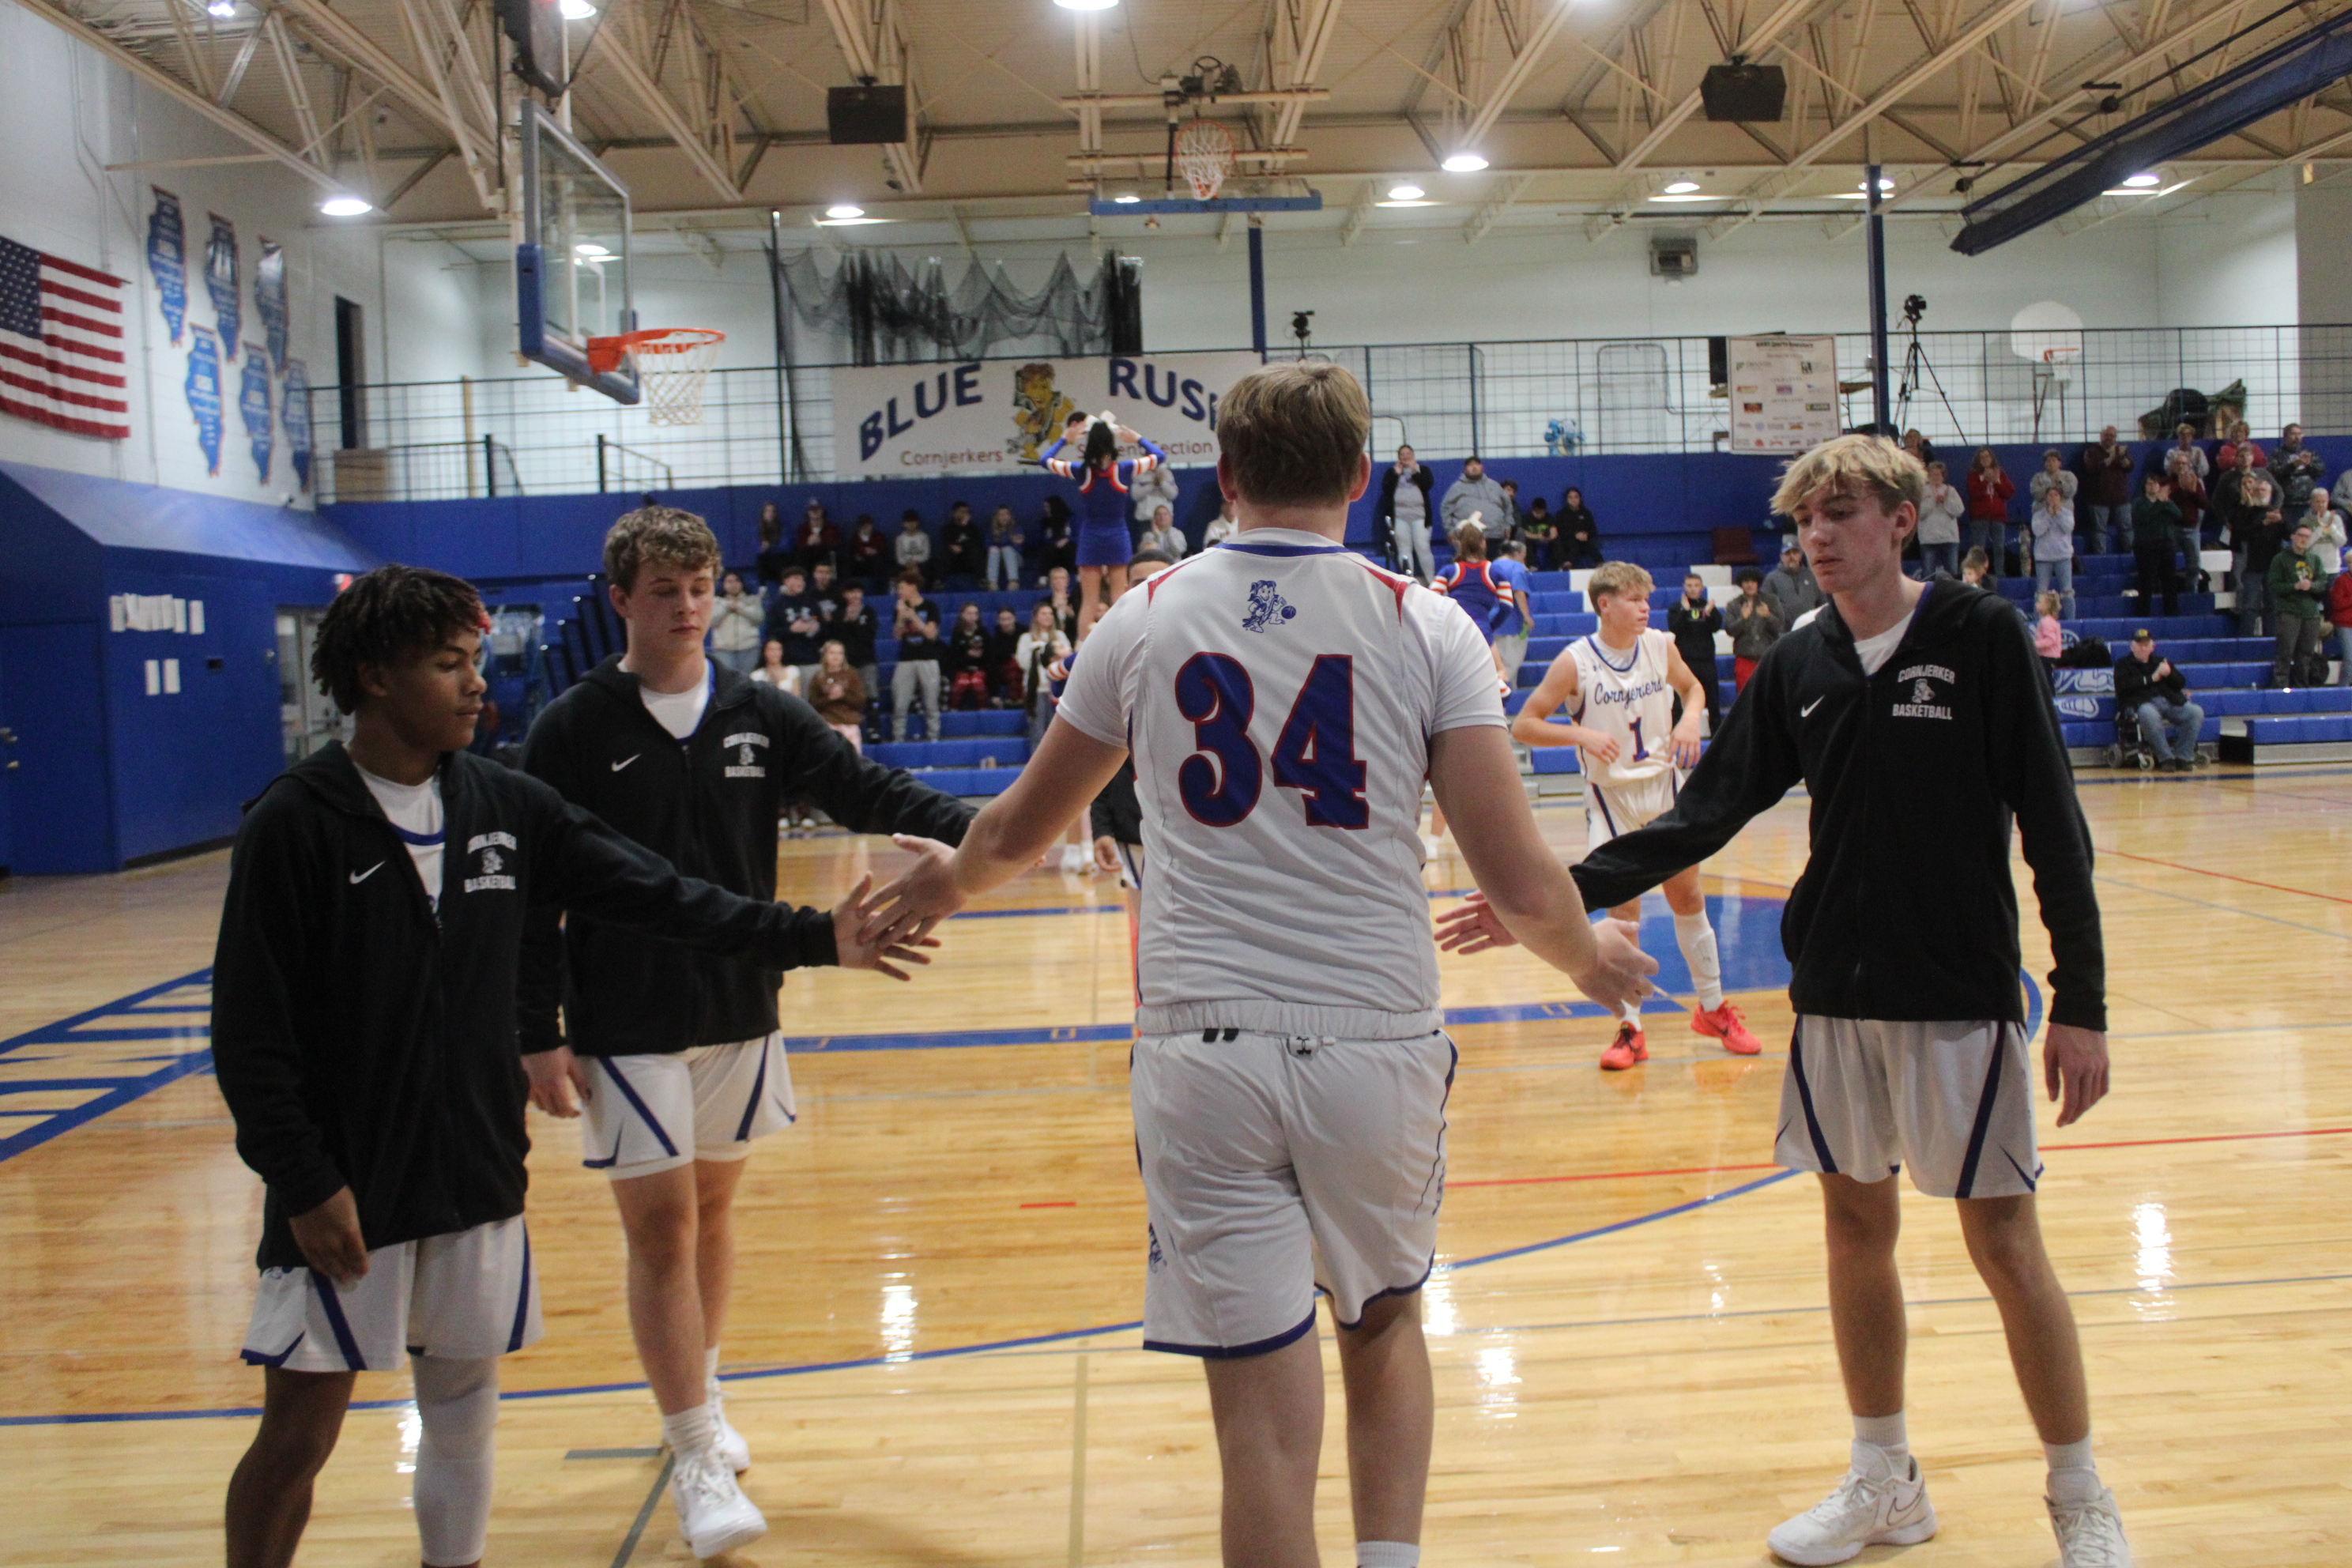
[1904,910]
[710,804]
[361,1040]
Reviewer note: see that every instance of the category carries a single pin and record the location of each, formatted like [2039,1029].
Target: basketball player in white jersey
[1617,686]
[1284,701]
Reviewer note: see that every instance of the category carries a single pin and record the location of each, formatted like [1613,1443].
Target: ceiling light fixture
[845,209]
[346,206]
[590,249]
[576,10]
[223,8]
[1681,187]
[1085,4]
[1464,162]
[1408,192]
[1127,198]
[1408,201]
[2142,182]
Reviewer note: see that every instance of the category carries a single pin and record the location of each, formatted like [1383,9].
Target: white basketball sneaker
[713,1514]
[731,1446]
[2090,1534]
[1871,1507]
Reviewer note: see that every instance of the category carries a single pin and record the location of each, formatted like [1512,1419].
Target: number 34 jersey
[1278,694]
[1628,700]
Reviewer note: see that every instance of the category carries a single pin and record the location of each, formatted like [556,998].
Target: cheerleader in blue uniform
[1103,479]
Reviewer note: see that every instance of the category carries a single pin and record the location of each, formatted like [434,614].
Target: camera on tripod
[1302,327]
[1914,307]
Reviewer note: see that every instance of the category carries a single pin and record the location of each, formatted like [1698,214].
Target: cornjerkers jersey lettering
[1278,694]
[1628,701]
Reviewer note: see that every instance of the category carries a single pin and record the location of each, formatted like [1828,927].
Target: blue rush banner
[204,390]
[167,259]
[269,300]
[222,282]
[294,413]
[991,415]
[252,406]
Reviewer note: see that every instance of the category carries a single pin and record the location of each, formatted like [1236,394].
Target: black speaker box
[863,116]
[536,27]
[1744,92]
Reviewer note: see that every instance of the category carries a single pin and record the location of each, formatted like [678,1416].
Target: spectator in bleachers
[1152,489]
[1975,570]
[965,662]
[1580,532]
[1539,533]
[1003,663]
[915,622]
[1990,490]
[1473,495]
[1164,535]
[1693,623]
[2184,442]
[1225,525]
[2339,612]
[1401,519]
[2051,530]
[773,669]
[1791,588]
[1004,540]
[2049,637]
[913,546]
[824,592]
[2107,493]
[1064,608]
[735,620]
[1940,525]
[2185,485]
[2296,583]
[2052,477]
[1501,527]
[838,695]
[1041,647]
[2227,458]
[817,539]
[868,554]
[1057,538]
[2155,530]
[2343,492]
[963,554]
[2254,529]
[1510,571]
[1920,447]
[855,627]
[793,620]
[2295,469]
[2327,530]
[770,561]
[1755,626]
[2152,690]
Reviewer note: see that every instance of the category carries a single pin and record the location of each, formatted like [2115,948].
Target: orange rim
[605,354]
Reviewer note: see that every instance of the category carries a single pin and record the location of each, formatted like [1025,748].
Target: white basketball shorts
[470,1294]
[654,1113]
[1955,1100]
[1275,1166]
[1613,810]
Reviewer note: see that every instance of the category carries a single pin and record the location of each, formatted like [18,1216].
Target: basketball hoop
[1205,155]
[672,363]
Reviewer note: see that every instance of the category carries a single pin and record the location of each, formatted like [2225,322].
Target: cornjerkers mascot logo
[1039,411]
[492,863]
[1923,704]
[746,764]
[1267,607]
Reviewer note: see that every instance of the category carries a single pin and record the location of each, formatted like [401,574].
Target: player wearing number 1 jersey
[1284,702]
[1617,686]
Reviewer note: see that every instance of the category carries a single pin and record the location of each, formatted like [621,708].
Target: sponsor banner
[1783,393]
[909,421]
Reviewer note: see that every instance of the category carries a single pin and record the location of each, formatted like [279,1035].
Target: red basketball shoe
[1726,1025]
[1630,1047]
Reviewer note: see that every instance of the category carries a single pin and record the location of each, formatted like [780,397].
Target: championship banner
[911,421]
[1783,393]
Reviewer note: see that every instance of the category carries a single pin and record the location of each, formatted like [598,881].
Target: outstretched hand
[2075,1070]
[856,951]
[1620,973]
[906,907]
[1473,928]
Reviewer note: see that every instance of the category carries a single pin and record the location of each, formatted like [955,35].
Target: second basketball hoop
[672,363]
[1205,155]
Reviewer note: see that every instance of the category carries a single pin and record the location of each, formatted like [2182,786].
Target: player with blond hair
[1617,686]
[1919,721]
[1284,701]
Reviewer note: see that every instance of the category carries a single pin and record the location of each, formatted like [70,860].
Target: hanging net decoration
[672,364]
[1204,156]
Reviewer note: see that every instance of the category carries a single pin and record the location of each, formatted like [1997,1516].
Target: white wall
[67,114]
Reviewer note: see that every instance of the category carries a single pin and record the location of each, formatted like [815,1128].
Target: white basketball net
[1204,156]
[672,368]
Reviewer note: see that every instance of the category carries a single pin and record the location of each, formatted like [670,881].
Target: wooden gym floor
[933,1349]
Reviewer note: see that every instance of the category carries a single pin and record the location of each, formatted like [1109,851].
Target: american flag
[61,359]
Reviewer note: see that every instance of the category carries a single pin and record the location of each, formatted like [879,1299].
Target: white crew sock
[1388,1555]
[1696,937]
[1881,1437]
[691,1432]
[2073,1477]
[457,1408]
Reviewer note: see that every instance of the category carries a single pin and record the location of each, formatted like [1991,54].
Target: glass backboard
[571,269]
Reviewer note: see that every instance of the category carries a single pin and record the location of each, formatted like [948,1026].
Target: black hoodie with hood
[1905,909]
[710,804]
[363,1039]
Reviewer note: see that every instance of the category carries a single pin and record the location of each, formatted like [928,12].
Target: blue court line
[2225,909]
[120,1090]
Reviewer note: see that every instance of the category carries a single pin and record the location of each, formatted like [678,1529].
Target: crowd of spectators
[1408,511]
